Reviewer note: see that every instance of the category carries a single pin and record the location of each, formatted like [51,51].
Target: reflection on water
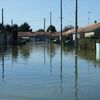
[3,70]
[51,56]
[44,71]
[44,54]
[15,52]
[2,57]
[61,70]
[76,75]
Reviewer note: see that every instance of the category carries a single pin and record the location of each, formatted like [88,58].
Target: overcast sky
[34,11]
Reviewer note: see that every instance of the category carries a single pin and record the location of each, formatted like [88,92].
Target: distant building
[38,36]
[89,31]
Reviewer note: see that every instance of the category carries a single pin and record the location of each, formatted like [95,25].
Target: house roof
[25,34]
[88,28]
[56,34]
[41,33]
[71,31]
[82,29]
[93,27]
[30,34]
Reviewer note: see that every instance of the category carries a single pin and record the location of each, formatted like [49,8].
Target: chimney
[95,21]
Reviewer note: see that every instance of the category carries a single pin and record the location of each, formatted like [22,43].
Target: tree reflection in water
[3,70]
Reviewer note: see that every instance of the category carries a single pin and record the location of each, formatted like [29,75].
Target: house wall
[89,34]
[78,36]
[92,34]
[82,35]
[42,37]
[97,34]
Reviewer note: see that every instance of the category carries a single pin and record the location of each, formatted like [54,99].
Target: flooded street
[40,71]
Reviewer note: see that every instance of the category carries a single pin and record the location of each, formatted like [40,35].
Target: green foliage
[51,28]
[15,32]
[25,28]
[8,28]
[15,27]
[40,30]
[68,27]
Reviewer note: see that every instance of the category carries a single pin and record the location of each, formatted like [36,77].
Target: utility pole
[11,22]
[61,67]
[44,24]
[76,48]
[44,41]
[50,18]
[2,17]
[76,23]
[2,47]
[61,19]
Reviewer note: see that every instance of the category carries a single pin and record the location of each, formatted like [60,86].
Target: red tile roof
[72,31]
[25,34]
[56,34]
[88,28]
[93,27]
[29,34]
[42,33]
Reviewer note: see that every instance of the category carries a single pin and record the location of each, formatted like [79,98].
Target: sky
[34,11]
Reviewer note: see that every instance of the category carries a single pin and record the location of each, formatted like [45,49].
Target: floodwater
[38,71]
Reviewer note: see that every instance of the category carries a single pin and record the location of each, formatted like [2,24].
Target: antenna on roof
[95,21]
[89,17]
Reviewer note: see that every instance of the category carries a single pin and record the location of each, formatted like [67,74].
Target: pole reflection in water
[2,54]
[61,74]
[50,57]
[52,53]
[76,75]
[3,69]
[44,53]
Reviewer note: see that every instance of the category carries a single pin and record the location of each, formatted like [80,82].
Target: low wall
[88,43]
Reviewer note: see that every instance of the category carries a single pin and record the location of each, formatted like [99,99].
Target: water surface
[38,71]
